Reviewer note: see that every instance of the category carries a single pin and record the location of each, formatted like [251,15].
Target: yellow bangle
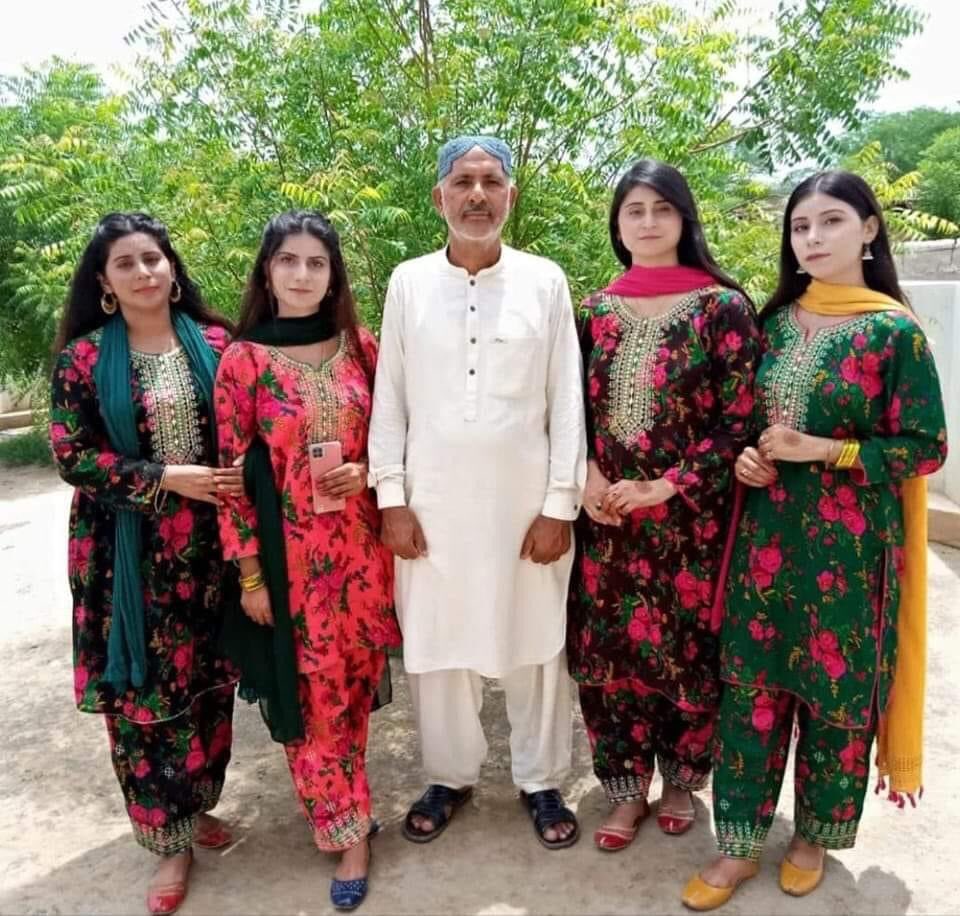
[253,582]
[848,454]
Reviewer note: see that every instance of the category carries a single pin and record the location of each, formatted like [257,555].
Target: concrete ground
[65,846]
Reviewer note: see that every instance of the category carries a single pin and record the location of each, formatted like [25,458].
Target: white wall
[938,306]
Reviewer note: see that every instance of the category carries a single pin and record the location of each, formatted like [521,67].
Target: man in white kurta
[477,450]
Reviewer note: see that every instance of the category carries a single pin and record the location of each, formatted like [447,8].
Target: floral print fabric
[172,771]
[666,397]
[811,602]
[831,768]
[341,576]
[632,729]
[328,767]
[184,579]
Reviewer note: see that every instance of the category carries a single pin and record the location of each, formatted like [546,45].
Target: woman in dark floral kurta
[170,736]
[810,631]
[669,355]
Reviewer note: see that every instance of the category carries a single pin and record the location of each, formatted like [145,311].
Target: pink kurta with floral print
[341,576]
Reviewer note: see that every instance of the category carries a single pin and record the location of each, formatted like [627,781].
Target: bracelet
[160,495]
[849,453]
[253,582]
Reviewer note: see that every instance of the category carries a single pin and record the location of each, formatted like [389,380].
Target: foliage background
[240,108]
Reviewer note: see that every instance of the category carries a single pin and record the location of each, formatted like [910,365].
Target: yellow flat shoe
[700,896]
[798,882]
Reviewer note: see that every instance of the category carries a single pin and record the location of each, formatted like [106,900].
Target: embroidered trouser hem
[328,766]
[633,730]
[172,771]
[753,743]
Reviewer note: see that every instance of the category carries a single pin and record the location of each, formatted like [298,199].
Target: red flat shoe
[215,837]
[609,838]
[166,899]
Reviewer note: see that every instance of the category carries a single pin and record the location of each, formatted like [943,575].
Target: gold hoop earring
[175,298]
[867,253]
[108,302]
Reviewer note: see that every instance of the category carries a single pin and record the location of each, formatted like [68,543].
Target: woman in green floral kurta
[813,591]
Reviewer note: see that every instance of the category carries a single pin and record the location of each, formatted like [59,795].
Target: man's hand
[547,540]
[401,533]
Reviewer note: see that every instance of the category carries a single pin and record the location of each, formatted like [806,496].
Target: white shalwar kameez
[478,427]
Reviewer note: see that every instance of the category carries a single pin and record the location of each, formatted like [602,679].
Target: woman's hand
[593,494]
[780,443]
[256,605]
[197,481]
[347,480]
[625,496]
[753,470]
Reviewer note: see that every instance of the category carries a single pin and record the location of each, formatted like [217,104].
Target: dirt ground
[65,846]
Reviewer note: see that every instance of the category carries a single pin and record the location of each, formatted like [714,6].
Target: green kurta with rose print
[813,590]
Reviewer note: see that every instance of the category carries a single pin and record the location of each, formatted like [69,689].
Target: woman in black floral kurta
[669,355]
[170,737]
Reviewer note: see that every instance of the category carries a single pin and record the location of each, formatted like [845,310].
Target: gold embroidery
[170,401]
[632,391]
[319,389]
[785,390]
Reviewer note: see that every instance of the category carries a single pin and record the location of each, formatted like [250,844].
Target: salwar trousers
[172,771]
[447,707]
[632,729]
[831,768]
[328,767]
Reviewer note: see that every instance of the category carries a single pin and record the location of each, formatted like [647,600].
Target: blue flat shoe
[349,894]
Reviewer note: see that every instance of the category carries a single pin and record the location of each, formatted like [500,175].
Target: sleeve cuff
[390,494]
[250,548]
[563,506]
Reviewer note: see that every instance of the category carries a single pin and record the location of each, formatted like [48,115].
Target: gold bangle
[252,582]
[848,455]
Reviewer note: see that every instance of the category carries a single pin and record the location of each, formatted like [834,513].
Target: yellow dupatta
[900,735]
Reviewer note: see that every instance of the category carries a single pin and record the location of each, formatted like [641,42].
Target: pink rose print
[142,768]
[854,521]
[850,370]
[591,575]
[828,509]
[825,580]
[157,817]
[851,757]
[763,712]
[139,814]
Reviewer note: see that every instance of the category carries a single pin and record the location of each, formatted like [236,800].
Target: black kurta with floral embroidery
[669,396]
[185,581]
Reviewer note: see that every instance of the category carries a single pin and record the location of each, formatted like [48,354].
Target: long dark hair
[257,306]
[880,274]
[82,312]
[692,249]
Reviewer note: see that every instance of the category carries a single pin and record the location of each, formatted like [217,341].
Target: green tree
[940,176]
[903,136]
[244,107]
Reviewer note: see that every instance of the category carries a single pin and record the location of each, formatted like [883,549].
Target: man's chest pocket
[513,365]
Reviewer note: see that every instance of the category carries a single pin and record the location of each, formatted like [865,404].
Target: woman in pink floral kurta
[340,576]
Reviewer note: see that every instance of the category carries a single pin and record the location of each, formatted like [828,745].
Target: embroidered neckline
[319,390]
[308,367]
[170,401]
[632,392]
[785,390]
